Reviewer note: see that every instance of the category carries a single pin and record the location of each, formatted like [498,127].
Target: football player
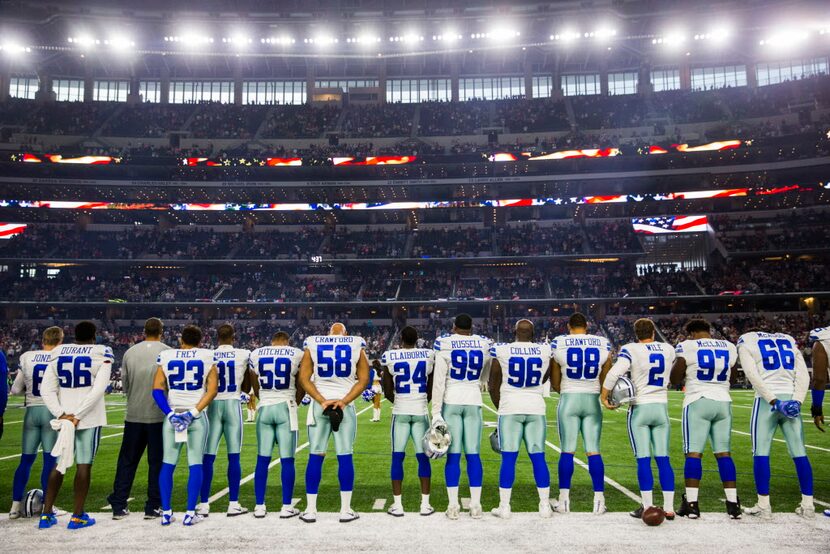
[520,401]
[775,366]
[37,430]
[185,384]
[580,363]
[462,362]
[648,415]
[340,369]
[407,384]
[73,389]
[707,365]
[275,370]
[821,346]
[225,416]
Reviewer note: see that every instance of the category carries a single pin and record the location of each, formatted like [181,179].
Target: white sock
[258,506]
[564,494]
[544,493]
[668,501]
[475,496]
[396,501]
[599,496]
[648,498]
[233,505]
[15,506]
[452,495]
[311,503]
[504,497]
[190,513]
[288,507]
[763,501]
[731,494]
[691,494]
[806,500]
[425,500]
[345,501]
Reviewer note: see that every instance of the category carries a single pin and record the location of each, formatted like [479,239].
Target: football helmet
[33,503]
[494,441]
[623,392]
[437,440]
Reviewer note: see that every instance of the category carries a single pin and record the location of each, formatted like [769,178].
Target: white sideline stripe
[821,503]
[39,450]
[250,477]
[380,503]
[109,410]
[583,465]
[776,440]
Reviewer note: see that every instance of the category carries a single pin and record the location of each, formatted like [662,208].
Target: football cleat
[203,509]
[807,511]
[153,513]
[475,511]
[599,507]
[191,520]
[545,510]
[80,521]
[427,510]
[120,514]
[395,511]
[759,511]
[308,517]
[47,521]
[638,513]
[59,511]
[260,511]
[502,512]
[688,509]
[346,517]
[563,506]
[234,509]
[17,511]
[453,511]
[167,518]
[734,509]
[288,512]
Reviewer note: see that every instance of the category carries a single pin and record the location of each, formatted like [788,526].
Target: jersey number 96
[524,372]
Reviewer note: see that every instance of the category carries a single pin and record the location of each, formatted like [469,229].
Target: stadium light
[672,40]
[448,35]
[322,40]
[281,40]
[786,38]
[12,48]
[84,42]
[501,33]
[190,39]
[718,35]
[120,43]
[568,35]
[604,34]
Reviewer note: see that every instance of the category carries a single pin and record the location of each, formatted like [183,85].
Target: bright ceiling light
[83,41]
[120,43]
[12,48]
[787,38]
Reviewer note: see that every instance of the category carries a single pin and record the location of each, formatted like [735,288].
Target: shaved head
[338,329]
[524,330]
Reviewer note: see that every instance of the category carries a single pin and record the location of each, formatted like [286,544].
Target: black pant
[137,437]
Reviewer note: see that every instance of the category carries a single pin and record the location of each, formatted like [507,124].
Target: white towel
[293,424]
[64,449]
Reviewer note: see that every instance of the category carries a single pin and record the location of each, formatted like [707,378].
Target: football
[653,516]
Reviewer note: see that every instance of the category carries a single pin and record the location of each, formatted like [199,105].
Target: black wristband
[816,411]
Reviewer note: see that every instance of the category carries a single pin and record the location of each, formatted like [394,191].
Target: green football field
[372,458]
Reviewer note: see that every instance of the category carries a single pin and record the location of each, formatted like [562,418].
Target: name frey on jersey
[187,354]
[525,351]
[583,341]
[398,355]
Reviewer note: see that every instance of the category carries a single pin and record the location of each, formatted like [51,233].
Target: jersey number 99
[466,364]
[334,360]
[582,363]
[74,372]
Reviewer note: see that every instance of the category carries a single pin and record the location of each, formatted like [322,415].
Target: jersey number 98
[582,363]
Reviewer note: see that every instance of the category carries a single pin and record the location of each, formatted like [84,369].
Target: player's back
[709,364]
[76,367]
[276,368]
[186,370]
[774,355]
[581,358]
[231,365]
[410,369]
[650,364]
[335,360]
[523,367]
[467,358]
[33,365]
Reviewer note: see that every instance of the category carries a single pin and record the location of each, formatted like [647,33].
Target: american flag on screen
[8,230]
[670,224]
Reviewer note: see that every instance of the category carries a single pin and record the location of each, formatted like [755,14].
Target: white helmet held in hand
[622,393]
[437,439]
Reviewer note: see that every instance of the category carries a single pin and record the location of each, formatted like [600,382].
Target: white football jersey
[76,380]
[335,363]
[822,335]
[410,369]
[523,366]
[186,370]
[276,368]
[33,366]
[231,365]
[709,365]
[774,357]
[467,359]
[650,364]
[581,358]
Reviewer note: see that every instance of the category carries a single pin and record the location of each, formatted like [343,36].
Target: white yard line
[250,476]
[584,465]
[380,503]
